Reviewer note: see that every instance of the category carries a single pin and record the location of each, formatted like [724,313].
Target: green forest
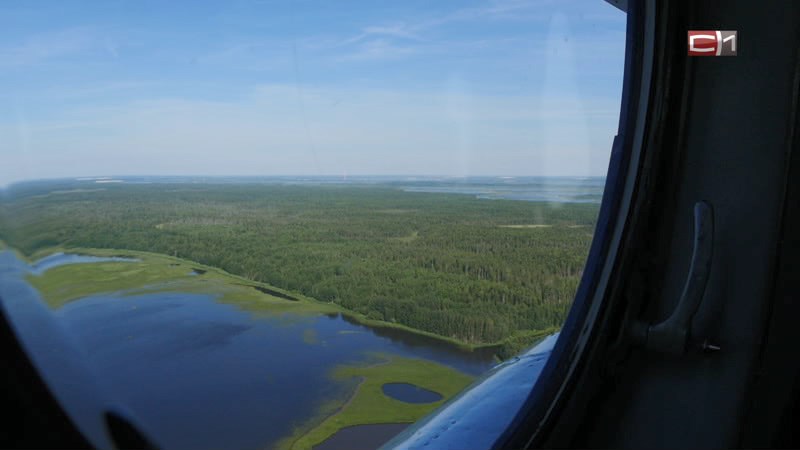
[478,271]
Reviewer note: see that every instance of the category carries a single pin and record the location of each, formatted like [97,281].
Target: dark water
[200,374]
[410,393]
[274,293]
[362,437]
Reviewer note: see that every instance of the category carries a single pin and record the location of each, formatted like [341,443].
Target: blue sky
[261,87]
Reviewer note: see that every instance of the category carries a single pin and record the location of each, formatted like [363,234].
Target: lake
[202,374]
[527,188]
[60,259]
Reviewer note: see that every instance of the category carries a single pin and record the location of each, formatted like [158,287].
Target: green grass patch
[369,405]
[159,273]
[473,270]
[163,273]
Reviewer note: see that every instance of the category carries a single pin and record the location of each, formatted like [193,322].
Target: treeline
[442,263]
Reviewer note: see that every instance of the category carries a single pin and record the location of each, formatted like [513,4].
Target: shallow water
[200,374]
[60,259]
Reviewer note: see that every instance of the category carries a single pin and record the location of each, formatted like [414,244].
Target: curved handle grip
[672,335]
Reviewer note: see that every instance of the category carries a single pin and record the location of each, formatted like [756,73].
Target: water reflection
[60,259]
[473,362]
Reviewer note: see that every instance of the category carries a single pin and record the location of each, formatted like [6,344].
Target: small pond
[410,393]
[362,437]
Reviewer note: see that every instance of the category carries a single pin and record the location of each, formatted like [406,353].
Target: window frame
[652,69]
[548,371]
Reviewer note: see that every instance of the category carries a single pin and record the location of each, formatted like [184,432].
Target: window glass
[303,224]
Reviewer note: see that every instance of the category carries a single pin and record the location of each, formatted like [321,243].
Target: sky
[262,87]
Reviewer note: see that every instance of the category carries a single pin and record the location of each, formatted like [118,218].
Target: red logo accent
[712,42]
[703,43]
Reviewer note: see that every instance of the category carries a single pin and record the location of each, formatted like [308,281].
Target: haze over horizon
[254,88]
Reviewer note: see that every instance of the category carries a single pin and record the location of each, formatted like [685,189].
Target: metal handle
[673,334]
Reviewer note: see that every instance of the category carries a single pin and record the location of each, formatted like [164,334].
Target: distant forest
[479,271]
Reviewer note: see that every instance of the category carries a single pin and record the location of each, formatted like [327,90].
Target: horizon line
[336,176]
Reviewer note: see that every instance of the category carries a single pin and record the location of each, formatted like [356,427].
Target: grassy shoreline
[368,404]
[438,262]
[365,404]
[325,306]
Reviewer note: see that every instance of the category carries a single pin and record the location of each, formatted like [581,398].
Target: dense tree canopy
[479,271]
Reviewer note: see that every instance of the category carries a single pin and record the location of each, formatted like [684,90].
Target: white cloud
[280,129]
[397,30]
[556,124]
[378,49]
[419,35]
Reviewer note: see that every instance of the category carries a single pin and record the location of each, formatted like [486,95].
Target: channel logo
[713,43]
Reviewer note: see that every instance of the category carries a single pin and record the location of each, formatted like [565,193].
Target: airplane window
[297,225]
